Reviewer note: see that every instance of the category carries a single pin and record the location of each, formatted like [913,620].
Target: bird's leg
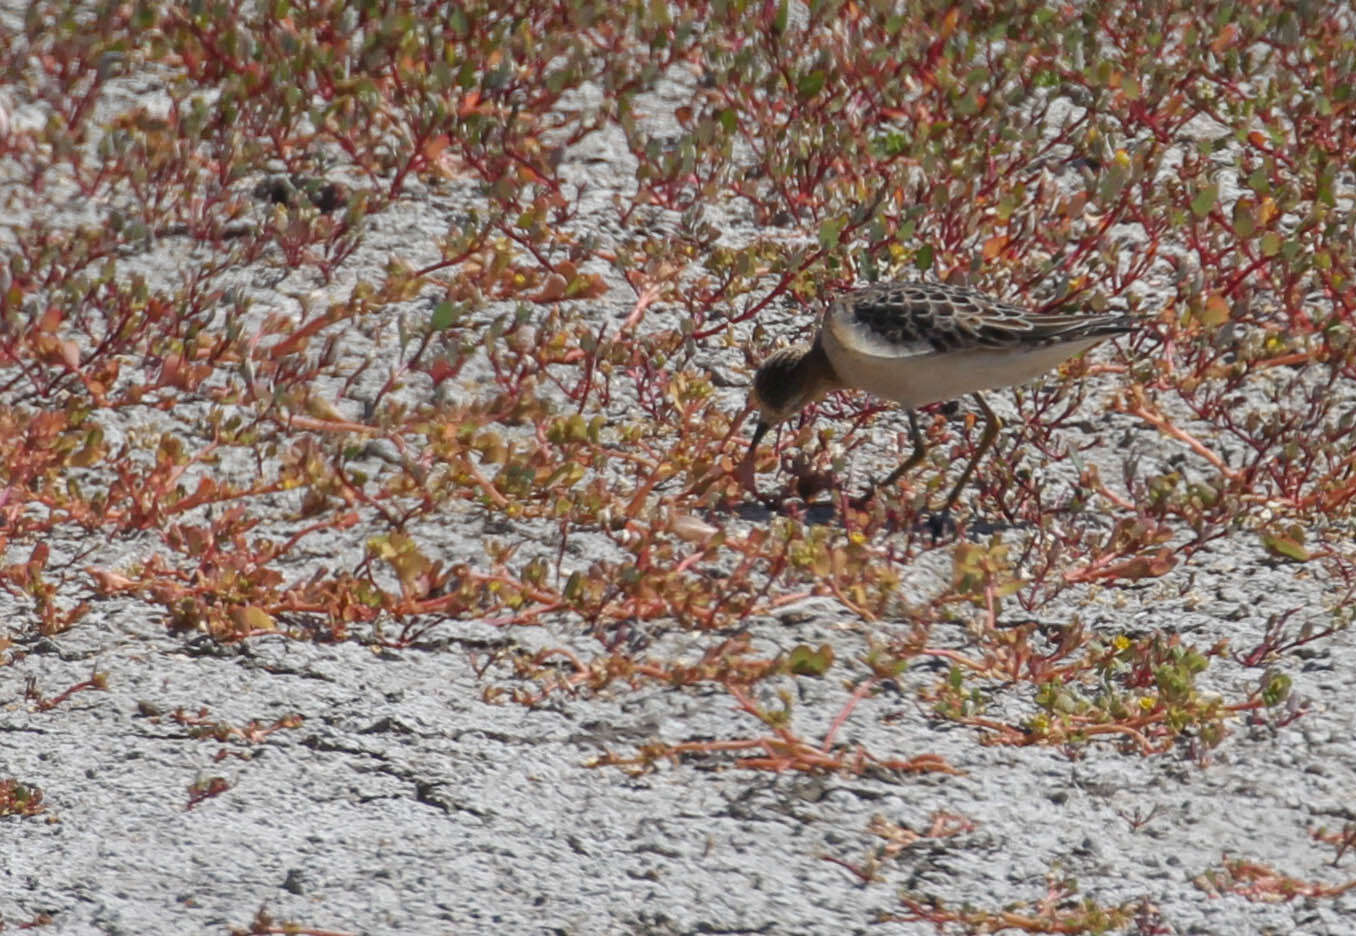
[920,447]
[941,520]
[940,523]
[991,427]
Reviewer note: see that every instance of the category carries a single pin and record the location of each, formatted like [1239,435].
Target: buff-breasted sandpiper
[918,343]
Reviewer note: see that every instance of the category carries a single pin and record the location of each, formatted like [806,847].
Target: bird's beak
[744,471]
[759,431]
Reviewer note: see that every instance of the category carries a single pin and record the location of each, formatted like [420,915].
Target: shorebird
[919,343]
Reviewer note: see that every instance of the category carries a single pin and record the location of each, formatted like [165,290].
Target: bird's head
[782,387]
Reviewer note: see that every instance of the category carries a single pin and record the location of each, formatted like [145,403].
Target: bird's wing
[911,319]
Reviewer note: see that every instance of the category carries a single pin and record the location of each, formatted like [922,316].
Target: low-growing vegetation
[555,371]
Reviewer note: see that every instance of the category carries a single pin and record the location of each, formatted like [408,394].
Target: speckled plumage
[917,318]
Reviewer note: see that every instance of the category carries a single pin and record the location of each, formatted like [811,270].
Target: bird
[917,343]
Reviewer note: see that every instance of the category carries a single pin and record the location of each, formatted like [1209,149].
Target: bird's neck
[815,371]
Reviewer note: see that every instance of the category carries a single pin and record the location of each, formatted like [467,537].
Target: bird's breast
[916,374]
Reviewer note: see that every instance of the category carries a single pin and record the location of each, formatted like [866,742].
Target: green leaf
[831,231]
[444,316]
[923,257]
[1205,200]
[1215,312]
[968,104]
[779,21]
[1325,186]
[811,83]
[1276,691]
[1283,546]
[1245,222]
[805,661]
